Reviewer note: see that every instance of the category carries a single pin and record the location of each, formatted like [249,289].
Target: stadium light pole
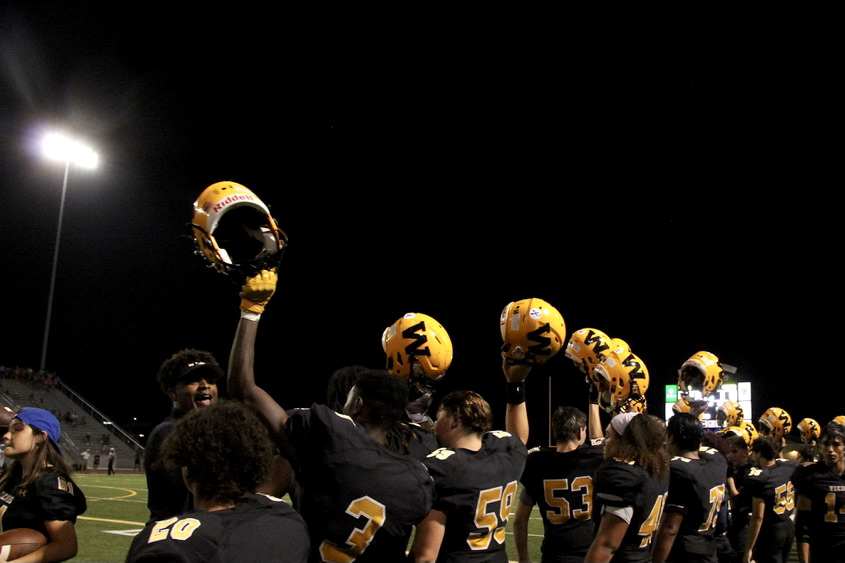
[69,151]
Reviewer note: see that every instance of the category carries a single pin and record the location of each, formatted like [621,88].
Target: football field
[117,510]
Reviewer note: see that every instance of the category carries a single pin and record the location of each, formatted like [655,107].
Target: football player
[740,500]
[770,531]
[820,486]
[696,494]
[229,522]
[632,487]
[189,379]
[560,481]
[358,497]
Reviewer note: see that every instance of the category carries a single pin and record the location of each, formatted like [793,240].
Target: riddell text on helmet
[232,199]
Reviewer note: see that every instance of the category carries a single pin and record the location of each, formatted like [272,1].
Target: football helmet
[729,413]
[839,419]
[809,430]
[775,422]
[626,378]
[744,429]
[417,347]
[234,231]
[532,330]
[685,404]
[584,349]
[701,372]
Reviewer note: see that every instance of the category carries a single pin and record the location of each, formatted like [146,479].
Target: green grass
[117,510]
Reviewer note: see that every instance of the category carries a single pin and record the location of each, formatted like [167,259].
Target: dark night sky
[664,182]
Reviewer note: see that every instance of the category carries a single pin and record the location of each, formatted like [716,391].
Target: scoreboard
[739,392]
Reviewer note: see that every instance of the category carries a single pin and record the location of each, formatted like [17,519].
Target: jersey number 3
[360,538]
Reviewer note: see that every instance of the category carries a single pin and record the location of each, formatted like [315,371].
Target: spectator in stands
[189,379]
[37,491]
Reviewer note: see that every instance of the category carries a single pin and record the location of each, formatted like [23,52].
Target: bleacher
[86,427]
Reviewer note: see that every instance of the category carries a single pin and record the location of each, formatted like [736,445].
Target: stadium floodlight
[70,151]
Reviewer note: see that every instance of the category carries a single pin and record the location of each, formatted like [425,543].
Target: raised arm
[516,413]
[241,379]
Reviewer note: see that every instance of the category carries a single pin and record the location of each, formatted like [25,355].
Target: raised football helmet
[839,419]
[532,330]
[626,377]
[584,349]
[744,429]
[775,422]
[701,372]
[729,413]
[234,231]
[417,347]
[809,430]
[685,404]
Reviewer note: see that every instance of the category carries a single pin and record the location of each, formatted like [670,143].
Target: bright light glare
[61,148]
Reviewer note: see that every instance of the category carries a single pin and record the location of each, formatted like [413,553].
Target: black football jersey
[826,491]
[773,484]
[696,490]
[359,498]
[561,485]
[476,490]
[259,529]
[52,496]
[621,484]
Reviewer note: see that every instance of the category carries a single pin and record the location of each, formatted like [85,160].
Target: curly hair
[471,408]
[174,368]
[642,443]
[567,423]
[224,449]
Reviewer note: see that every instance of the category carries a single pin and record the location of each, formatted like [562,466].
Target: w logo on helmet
[416,334]
[543,342]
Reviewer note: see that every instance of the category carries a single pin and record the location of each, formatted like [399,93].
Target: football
[18,542]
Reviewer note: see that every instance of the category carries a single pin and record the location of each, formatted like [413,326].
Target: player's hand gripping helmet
[235,232]
[729,413]
[627,379]
[702,372]
[417,347]
[584,349]
[809,429]
[775,422]
[532,330]
[744,429]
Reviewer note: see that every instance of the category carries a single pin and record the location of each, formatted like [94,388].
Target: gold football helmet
[729,413]
[626,377]
[584,349]
[809,430]
[701,372]
[234,231]
[744,429]
[532,330]
[775,422]
[416,346]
